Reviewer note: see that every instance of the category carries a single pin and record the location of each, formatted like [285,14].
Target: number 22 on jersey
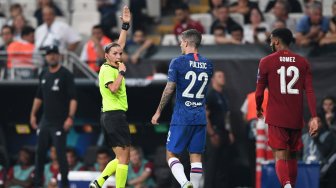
[293,72]
[193,76]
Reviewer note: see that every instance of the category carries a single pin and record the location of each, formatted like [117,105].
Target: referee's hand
[126,15]
[155,118]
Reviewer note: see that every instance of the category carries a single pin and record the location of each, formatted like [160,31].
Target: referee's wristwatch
[122,73]
[125,26]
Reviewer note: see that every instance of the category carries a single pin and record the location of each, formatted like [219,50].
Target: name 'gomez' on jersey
[191,73]
[287,75]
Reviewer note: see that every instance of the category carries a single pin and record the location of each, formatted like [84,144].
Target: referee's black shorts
[115,128]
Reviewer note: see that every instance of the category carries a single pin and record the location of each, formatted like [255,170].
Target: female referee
[113,118]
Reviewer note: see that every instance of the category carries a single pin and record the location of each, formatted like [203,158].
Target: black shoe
[94,184]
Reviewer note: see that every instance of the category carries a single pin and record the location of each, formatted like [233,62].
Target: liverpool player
[287,75]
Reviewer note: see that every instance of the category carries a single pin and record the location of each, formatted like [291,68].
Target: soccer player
[113,118]
[287,75]
[189,75]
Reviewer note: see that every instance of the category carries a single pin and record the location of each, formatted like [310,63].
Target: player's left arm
[125,18]
[261,85]
[167,94]
[308,86]
[168,91]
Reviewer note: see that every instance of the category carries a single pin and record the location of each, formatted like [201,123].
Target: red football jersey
[287,75]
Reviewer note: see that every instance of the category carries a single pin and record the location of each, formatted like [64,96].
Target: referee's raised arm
[125,18]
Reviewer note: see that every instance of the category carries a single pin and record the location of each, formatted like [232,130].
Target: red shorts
[284,138]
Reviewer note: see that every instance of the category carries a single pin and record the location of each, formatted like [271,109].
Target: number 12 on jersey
[291,71]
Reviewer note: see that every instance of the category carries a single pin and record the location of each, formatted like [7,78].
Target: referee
[113,118]
[56,90]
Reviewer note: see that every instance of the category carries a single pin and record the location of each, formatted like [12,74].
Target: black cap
[51,49]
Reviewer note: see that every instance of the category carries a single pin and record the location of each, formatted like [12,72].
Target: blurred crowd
[236,22]
[21,173]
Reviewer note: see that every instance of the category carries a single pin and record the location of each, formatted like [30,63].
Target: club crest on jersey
[55,87]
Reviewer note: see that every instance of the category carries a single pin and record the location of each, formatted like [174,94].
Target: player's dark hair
[284,34]
[8,27]
[98,26]
[193,36]
[27,30]
[109,46]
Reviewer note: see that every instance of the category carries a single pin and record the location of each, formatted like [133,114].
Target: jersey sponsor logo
[55,87]
[199,65]
[193,104]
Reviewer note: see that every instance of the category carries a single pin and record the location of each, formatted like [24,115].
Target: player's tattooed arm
[167,93]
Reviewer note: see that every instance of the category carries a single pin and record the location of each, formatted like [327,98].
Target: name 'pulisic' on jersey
[192,74]
[196,64]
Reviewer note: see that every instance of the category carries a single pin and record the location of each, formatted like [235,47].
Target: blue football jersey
[191,73]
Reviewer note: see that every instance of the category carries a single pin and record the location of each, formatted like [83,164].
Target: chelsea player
[189,74]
